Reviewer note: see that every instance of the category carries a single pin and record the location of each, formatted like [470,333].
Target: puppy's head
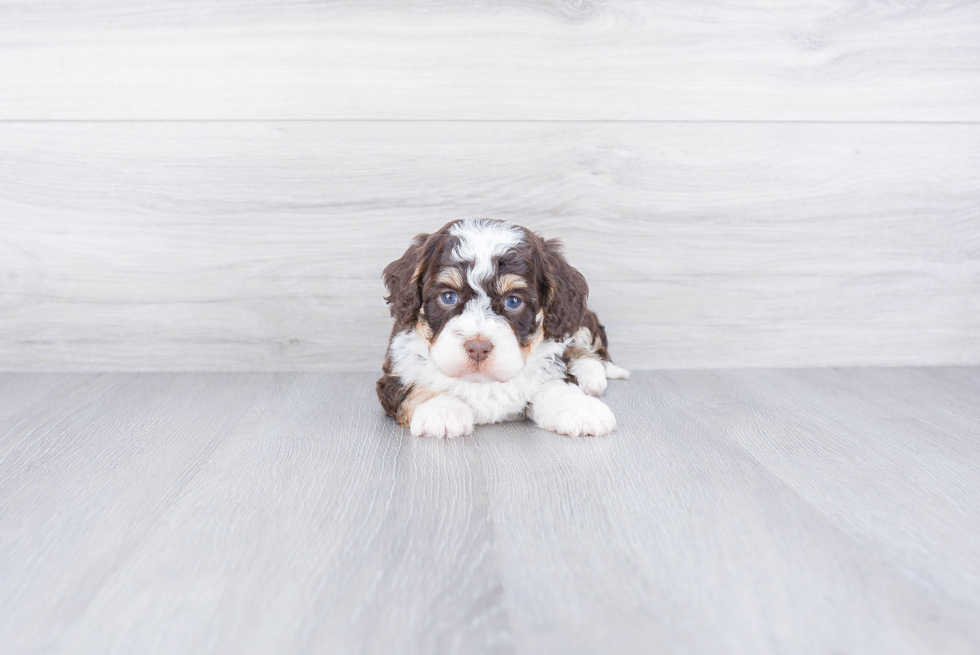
[482,294]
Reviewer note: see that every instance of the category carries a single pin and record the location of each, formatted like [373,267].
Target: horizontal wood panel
[615,60]
[189,246]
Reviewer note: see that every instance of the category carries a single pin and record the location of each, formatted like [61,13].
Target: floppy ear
[404,284]
[565,292]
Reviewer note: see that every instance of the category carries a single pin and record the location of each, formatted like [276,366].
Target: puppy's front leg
[563,408]
[590,375]
[442,416]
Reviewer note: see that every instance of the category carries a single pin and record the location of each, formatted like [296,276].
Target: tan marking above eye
[450,277]
[510,282]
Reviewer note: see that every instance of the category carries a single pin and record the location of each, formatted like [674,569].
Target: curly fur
[556,340]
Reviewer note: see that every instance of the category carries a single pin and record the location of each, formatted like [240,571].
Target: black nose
[478,349]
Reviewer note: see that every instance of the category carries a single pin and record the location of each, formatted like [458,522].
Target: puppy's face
[479,293]
[480,309]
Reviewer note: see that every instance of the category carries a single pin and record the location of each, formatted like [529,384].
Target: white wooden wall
[217,184]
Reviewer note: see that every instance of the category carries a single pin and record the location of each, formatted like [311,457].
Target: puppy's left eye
[513,302]
[449,298]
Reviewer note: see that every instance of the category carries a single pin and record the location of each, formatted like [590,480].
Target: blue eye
[449,298]
[513,302]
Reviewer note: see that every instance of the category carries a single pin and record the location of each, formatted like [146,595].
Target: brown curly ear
[402,280]
[565,292]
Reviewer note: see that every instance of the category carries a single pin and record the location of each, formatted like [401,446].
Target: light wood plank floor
[748,511]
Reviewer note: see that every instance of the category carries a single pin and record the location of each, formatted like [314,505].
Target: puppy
[491,325]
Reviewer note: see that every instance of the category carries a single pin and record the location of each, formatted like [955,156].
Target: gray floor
[757,511]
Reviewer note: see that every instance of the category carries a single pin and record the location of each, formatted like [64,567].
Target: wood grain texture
[242,246]
[535,59]
[310,522]
[677,536]
[762,511]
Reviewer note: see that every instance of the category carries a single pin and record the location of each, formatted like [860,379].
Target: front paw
[590,375]
[442,416]
[580,416]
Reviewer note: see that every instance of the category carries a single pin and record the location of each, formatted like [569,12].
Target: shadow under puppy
[491,325]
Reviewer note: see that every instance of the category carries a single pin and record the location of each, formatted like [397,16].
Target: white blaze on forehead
[478,312]
[481,241]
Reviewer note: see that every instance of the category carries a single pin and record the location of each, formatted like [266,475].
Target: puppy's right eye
[449,298]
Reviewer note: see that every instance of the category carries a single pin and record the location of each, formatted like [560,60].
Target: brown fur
[563,288]
[590,342]
[405,276]
[391,391]
[535,340]
[597,340]
[415,397]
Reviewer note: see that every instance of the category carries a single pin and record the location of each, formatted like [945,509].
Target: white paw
[614,372]
[590,375]
[579,416]
[442,416]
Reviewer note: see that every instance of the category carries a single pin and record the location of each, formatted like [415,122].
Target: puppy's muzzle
[478,349]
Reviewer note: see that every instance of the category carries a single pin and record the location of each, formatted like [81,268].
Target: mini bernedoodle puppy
[491,325]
